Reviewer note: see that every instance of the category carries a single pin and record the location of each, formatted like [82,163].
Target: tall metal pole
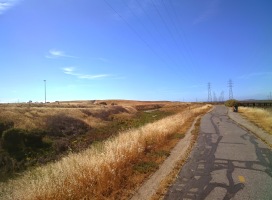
[44,91]
[230,89]
[209,93]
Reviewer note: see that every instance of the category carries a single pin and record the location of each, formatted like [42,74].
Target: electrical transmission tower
[221,98]
[214,97]
[209,93]
[230,89]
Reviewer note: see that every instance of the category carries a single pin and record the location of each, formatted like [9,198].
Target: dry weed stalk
[261,117]
[98,172]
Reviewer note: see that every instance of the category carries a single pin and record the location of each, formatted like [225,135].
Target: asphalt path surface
[227,162]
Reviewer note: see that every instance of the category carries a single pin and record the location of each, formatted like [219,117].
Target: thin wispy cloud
[72,71]
[209,12]
[53,53]
[7,4]
[256,74]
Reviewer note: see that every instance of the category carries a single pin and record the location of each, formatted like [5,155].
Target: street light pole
[44,91]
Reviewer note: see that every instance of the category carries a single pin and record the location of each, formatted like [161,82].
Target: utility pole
[44,91]
[209,93]
[230,89]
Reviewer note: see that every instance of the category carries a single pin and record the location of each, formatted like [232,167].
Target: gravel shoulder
[260,133]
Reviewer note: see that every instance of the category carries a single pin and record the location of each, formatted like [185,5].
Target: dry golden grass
[101,172]
[261,117]
[167,182]
[36,117]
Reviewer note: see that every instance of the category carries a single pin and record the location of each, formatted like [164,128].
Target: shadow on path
[196,179]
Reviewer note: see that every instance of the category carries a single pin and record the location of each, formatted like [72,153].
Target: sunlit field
[34,134]
[110,169]
[260,116]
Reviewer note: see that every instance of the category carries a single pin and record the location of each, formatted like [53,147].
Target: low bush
[13,142]
[13,139]
[4,125]
[231,103]
[34,139]
[145,167]
[63,125]
[8,165]
[61,145]
[107,114]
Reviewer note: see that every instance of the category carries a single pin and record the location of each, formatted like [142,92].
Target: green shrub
[231,103]
[61,145]
[13,139]
[4,125]
[34,139]
[145,167]
[8,165]
[62,125]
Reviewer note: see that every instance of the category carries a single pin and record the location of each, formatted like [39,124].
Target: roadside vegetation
[112,166]
[259,116]
[231,103]
[35,134]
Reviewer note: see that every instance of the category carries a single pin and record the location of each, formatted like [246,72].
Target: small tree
[231,103]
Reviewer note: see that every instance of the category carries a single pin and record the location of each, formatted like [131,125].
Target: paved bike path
[227,162]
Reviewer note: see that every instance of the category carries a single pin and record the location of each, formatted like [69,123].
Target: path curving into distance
[227,162]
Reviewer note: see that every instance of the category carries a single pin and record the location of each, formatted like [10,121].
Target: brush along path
[227,162]
[101,172]
[149,188]
[259,132]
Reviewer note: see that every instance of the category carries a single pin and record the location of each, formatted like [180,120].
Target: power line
[183,36]
[164,38]
[162,53]
[164,22]
[134,30]
[144,26]
[177,33]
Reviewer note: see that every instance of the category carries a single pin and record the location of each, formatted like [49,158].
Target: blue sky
[135,49]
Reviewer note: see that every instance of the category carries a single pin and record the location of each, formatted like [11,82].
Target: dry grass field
[259,116]
[136,138]
[53,130]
